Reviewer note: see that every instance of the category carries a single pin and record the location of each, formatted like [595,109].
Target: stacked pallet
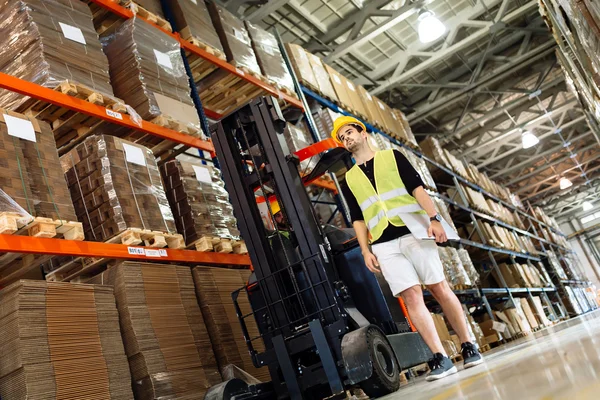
[270,60]
[213,288]
[297,138]
[147,71]
[116,186]
[519,275]
[169,351]
[60,341]
[200,204]
[456,273]
[52,41]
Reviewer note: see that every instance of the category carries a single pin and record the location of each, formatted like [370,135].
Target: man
[379,187]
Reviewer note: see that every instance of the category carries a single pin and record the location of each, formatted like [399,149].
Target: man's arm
[362,234]
[435,228]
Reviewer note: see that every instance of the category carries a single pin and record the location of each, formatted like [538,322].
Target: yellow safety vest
[382,206]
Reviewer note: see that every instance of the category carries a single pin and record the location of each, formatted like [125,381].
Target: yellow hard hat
[341,122]
[275,207]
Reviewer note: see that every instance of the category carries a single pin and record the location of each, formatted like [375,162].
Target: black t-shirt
[411,179]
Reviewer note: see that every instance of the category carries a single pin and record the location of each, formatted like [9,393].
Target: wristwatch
[436,217]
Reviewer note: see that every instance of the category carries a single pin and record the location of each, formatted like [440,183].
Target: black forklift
[326,322]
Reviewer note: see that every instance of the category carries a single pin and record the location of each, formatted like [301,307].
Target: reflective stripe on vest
[383,206]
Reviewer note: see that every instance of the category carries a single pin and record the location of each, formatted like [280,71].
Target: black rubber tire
[386,373]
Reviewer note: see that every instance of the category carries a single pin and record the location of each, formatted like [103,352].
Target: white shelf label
[134,154]
[195,2]
[163,59]
[381,106]
[19,127]
[337,79]
[350,86]
[369,96]
[163,252]
[239,35]
[152,252]
[138,251]
[72,33]
[202,174]
[114,114]
[239,71]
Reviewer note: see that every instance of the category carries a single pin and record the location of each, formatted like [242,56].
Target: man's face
[280,219]
[351,138]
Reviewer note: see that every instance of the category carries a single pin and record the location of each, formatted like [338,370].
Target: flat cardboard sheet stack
[199,201]
[48,42]
[169,351]
[153,6]
[61,341]
[234,38]
[296,139]
[147,71]
[30,175]
[302,67]
[116,185]
[214,287]
[192,20]
[269,57]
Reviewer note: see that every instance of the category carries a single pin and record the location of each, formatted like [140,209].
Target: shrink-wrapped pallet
[61,340]
[341,91]
[296,139]
[115,185]
[192,21]
[270,60]
[48,42]
[235,39]
[454,270]
[147,71]
[322,77]
[301,64]
[166,342]
[31,181]
[199,201]
[214,287]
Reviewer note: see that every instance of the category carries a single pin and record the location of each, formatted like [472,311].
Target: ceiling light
[529,139]
[430,28]
[565,183]
[587,206]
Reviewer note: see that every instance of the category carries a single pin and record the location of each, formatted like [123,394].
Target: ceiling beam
[507,153]
[536,157]
[505,135]
[354,41]
[265,10]
[516,64]
[436,57]
[557,184]
[545,166]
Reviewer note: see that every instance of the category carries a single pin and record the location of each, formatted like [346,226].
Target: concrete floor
[562,362]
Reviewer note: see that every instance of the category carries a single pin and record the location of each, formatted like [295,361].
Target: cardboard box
[533,322]
[372,109]
[441,327]
[192,20]
[301,64]
[322,76]
[341,91]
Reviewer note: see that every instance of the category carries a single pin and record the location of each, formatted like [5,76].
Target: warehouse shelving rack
[555,308]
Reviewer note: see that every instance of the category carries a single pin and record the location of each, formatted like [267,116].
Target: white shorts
[406,262]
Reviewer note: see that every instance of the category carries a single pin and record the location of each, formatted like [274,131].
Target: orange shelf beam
[125,13]
[62,247]
[317,148]
[63,100]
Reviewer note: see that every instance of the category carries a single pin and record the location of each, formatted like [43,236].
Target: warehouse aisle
[562,362]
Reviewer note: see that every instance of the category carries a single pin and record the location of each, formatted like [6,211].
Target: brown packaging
[192,20]
[166,341]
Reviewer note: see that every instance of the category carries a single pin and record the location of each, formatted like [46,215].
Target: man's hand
[371,262]
[437,230]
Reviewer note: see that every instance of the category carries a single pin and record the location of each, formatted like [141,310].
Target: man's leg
[421,318]
[451,308]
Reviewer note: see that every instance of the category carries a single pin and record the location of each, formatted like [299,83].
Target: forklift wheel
[385,378]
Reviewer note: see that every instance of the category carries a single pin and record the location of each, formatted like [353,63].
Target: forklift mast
[299,313]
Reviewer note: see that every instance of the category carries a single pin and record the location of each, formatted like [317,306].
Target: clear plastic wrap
[30,174]
[296,139]
[115,185]
[164,333]
[555,264]
[234,38]
[321,76]
[199,201]
[467,263]
[269,57]
[192,20]
[455,271]
[49,42]
[147,71]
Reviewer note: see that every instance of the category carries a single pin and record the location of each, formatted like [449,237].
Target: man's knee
[440,290]
[412,296]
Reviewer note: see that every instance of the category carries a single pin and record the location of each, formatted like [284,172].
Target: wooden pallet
[14,266]
[223,92]
[484,348]
[456,358]
[148,238]
[218,245]
[79,270]
[69,125]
